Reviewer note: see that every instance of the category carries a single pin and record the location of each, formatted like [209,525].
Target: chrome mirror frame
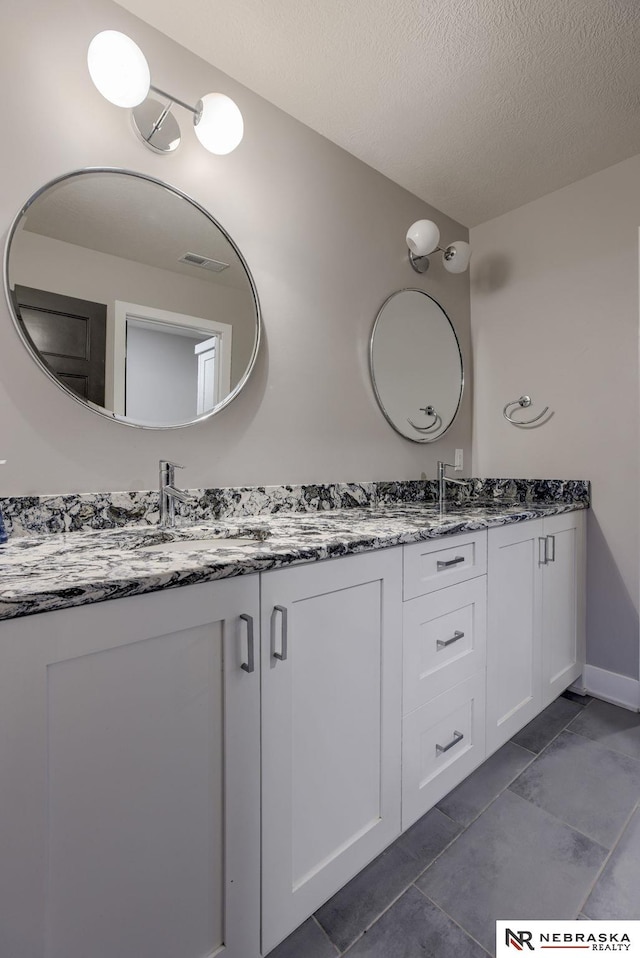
[424,438]
[85,403]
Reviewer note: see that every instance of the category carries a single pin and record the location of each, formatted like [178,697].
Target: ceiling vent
[194,259]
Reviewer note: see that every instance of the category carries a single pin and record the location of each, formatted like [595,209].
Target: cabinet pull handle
[441,564]
[457,737]
[250,664]
[443,643]
[551,554]
[282,654]
[542,550]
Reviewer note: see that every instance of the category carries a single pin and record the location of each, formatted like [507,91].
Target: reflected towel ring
[428,411]
[524,401]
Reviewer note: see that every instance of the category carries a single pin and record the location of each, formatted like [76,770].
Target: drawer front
[437,563]
[445,636]
[442,743]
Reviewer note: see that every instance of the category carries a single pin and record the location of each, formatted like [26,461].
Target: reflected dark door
[70,335]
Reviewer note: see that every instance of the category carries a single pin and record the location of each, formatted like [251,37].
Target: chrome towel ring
[524,401]
[428,411]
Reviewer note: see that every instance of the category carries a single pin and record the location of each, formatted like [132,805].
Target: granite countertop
[40,573]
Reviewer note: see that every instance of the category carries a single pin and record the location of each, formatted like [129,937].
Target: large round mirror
[132,298]
[416,365]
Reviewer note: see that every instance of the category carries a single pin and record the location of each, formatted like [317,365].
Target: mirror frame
[411,289]
[85,403]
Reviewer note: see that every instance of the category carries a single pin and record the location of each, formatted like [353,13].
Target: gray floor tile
[515,860]
[544,727]
[358,904]
[307,941]
[428,837]
[414,927]
[615,727]
[466,801]
[617,891]
[588,786]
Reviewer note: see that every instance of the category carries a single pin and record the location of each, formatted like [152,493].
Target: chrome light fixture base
[156,126]
[420,263]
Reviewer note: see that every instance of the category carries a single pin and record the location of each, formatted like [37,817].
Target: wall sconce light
[120,72]
[423,238]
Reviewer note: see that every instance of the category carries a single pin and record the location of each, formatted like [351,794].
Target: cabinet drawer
[437,563]
[444,640]
[442,743]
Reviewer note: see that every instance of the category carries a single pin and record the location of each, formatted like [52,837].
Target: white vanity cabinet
[129,793]
[331,711]
[536,572]
[170,786]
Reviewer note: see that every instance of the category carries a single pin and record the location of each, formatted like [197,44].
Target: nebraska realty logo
[548,936]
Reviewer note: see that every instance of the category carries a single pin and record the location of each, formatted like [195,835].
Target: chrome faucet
[443,479]
[169,493]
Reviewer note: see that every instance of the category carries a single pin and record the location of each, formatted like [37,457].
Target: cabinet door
[514,643]
[331,728]
[129,819]
[563,578]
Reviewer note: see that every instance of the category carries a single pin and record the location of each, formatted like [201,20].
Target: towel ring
[524,401]
[428,411]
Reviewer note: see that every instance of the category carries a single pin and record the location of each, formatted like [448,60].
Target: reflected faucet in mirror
[170,494]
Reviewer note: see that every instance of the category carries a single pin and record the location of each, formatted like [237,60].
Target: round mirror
[132,298]
[416,365]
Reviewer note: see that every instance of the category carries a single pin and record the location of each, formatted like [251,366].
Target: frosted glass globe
[423,237]
[220,127]
[118,68]
[459,261]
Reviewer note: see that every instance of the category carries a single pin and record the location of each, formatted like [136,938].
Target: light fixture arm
[174,99]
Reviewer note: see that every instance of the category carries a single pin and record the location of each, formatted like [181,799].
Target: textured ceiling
[477,106]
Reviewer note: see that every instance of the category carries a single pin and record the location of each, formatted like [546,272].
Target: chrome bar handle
[457,737]
[250,664]
[551,554]
[282,655]
[443,643]
[542,550]
[441,564]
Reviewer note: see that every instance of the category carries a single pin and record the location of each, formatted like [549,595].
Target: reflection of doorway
[156,364]
[69,335]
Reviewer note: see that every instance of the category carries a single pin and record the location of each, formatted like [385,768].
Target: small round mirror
[132,298]
[416,365]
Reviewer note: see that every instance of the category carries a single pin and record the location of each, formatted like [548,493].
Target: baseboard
[609,686]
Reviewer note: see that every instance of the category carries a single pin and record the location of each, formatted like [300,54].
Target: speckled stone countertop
[44,572]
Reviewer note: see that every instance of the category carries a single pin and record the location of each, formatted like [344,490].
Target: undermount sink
[197,539]
[201,545]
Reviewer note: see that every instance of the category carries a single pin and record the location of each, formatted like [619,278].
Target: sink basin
[200,545]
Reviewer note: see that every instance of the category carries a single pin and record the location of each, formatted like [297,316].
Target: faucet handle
[167,462]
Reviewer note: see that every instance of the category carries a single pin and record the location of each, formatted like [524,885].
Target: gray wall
[323,235]
[555,315]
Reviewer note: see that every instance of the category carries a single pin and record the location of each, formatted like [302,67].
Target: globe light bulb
[423,237]
[456,257]
[118,68]
[220,126]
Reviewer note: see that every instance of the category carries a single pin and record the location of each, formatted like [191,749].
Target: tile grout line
[455,922]
[332,943]
[607,858]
